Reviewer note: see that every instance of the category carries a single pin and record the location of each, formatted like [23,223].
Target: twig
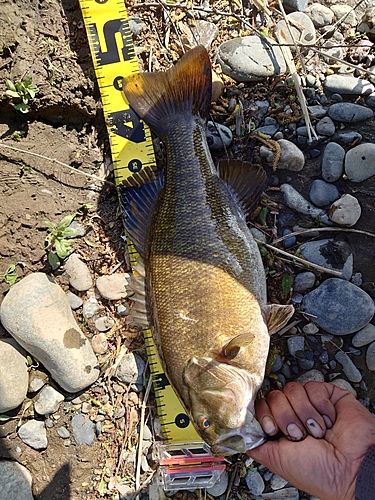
[141,432]
[313,230]
[53,160]
[306,263]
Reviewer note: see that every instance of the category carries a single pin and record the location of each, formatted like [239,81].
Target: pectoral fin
[276,316]
[232,349]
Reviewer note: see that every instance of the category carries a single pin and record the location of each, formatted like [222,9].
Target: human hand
[327,467]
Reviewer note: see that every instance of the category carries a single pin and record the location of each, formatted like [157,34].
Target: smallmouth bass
[203,276]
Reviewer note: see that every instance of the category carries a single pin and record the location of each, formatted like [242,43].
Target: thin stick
[314,230]
[306,263]
[141,432]
[53,160]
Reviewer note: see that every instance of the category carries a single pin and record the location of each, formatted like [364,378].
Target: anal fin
[246,181]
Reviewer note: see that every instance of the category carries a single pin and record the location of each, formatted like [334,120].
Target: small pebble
[291,157]
[218,136]
[296,346]
[63,432]
[325,126]
[254,482]
[370,357]
[83,429]
[348,367]
[33,433]
[312,375]
[99,343]
[344,384]
[288,242]
[104,323]
[364,336]
[304,281]
[78,272]
[297,202]
[310,329]
[90,308]
[131,370]
[278,482]
[360,162]
[123,309]
[346,211]
[348,112]
[74,301]
[48,401]
[323,193]
[348,85]
[220,487]
[333,162]
[113,286]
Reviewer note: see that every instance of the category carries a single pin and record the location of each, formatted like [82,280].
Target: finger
[320,394]
[304,409]
[285,417]
[265,418]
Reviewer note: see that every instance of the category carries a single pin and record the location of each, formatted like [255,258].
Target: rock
[35,382]
[297,202]
[304,281]
[33,433]
[348,112]
[104,323]
[267,130]
[317,111]
[340,307]
[292,5]
[323,193]
[48,401]
[348,367]
[217,87]
[136,25]
[83,429]
[63,432]
[258,234]
[277,365]
[74,301]
[251,58]
[113,286]
[99,343]
[296,346]
[254,482]
[344,384]
[331,254]
[289,242]
[90,308]
[348,85]
[305,33]
[37,314]
[218,136]
[291,157]
[347,137]
[330,48]
[364,336]
[367,24]
[79,274]
[14,376]
[345,10]
[284,494]
[131,370]
[310,329]
[370,357]
[360,162]
[220,487]
[15,481]
[346,211]
[277,482]
[311,376]
[333,162]
[325,126]
[319,14]
[123,309]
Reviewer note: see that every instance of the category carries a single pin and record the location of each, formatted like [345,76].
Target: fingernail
[294,432]
[269,426]
[314,428]
[327,421]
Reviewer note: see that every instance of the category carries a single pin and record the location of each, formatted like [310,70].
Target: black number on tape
[119,120]
[117,82]
[135,165]
[182,420]
[112,54]
[160,381]
[101,1]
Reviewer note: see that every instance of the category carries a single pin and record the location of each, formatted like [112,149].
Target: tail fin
[184,90]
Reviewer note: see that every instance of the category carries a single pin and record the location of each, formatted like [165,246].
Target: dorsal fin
[138,195]
[183,91]
[246,181]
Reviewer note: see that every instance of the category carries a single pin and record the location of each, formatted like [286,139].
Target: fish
[200,284]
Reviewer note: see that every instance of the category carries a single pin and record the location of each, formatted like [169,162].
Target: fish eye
[204,423]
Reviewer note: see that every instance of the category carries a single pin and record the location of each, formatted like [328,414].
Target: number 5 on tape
[114,58]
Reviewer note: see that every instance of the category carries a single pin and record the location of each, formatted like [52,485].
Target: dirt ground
[47,39]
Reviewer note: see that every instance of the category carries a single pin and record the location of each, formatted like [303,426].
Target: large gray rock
[349,112]
[348,85]
[36,312]
[339,306]
[360,162]
[14,377]
[331,254]
[33,433]
[15,483]
[251,58]
[78,272]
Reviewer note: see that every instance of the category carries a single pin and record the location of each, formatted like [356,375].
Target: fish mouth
[231,445]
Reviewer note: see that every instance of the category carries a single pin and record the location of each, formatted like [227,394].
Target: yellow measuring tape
[114,58]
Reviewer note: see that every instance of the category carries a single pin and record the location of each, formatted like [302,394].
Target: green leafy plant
[10,277]
[59,239]
[23,91]
[18,134]
[286,283]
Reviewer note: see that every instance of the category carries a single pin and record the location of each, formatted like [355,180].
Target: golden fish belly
[197,309]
